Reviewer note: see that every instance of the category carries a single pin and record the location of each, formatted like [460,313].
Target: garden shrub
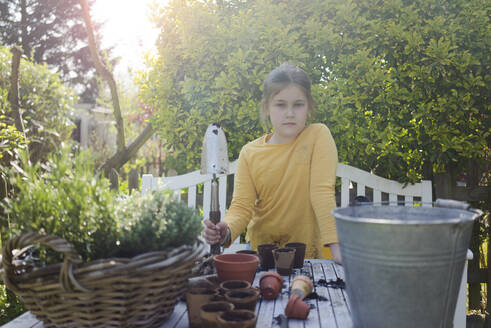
[46,104]
[63,197]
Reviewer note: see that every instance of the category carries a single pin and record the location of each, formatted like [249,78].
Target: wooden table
[330,309]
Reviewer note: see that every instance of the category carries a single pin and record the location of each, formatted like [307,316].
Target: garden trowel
[214,160]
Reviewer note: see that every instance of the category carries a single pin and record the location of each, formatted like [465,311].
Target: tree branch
[106,74]
[121,157]
[13,95]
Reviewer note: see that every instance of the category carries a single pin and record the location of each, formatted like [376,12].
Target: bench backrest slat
[349,175]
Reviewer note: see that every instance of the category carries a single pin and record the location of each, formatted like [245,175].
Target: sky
[128,28]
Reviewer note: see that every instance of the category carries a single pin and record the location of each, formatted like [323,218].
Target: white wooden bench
[354,182]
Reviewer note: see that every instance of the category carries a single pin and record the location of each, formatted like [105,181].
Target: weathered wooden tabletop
[329,309]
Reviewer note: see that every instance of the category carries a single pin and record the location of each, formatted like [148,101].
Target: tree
[52,32]
[45,104]
[404,84]
[212,60]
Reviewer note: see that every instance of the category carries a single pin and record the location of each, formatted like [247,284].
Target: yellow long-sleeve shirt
[285,192]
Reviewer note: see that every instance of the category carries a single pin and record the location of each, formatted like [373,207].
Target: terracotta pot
[237,319]
[234,284]
[271,284]
[265,252]
[283,259]
[299,254]
[243,299]
[302,286]
[297,308]
[209,313]
[247,251]
[195,298]
[236,267]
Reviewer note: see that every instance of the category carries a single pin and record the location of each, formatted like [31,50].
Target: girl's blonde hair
[281,77]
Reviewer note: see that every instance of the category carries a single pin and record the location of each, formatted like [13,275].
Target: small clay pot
[237,319]
[243,299]
[297,308]
[271,284]
[283,259]
[299,254]
[236,267]
[302,286]
[234,284]
[195,298]
[209,313]
[265,252]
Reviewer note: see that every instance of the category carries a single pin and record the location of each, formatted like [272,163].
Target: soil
[315,296]
[280,318]
[338,283]
[234,317]
[240,295]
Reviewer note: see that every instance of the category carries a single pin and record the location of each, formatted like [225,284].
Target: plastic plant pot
[299,254]
[265,252]
[283,258]
[236,267]
[270,284]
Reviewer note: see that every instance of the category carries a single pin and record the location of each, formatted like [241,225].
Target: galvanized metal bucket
[404,264]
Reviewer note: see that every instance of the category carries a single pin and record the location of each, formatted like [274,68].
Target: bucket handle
[457,204]
[451,203]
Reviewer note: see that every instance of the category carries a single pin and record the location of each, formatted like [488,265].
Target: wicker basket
[136,292]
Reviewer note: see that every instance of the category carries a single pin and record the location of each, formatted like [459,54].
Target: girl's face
[287,111]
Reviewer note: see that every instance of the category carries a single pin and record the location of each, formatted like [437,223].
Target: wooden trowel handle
[215,218]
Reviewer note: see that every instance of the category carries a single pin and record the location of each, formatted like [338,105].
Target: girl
[284,184]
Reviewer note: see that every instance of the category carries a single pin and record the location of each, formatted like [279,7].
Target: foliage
[46,105]
[63,197]
[52,32]
[410,85]
[11,141]
[10,307]
[404,83]
[155,221]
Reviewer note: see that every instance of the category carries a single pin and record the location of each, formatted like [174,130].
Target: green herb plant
[63,197]
[155,221]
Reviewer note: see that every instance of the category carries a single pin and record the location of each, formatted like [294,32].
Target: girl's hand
[214,234]
[336,253]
